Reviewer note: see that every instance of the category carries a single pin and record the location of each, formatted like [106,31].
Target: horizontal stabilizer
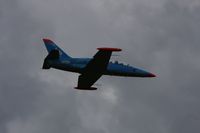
[53,55]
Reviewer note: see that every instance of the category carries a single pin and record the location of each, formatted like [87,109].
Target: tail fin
[50,45]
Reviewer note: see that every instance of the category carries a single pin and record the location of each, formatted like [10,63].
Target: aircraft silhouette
[90,69]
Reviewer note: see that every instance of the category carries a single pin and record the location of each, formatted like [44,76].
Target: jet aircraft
[90,69]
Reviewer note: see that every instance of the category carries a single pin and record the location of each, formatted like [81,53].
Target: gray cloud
[160,36]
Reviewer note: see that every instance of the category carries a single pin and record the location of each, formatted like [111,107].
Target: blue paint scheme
[67,63]
[50,45]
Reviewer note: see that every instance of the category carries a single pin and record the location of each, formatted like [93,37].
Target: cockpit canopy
[120,63]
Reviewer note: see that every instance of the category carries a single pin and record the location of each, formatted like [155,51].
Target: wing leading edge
[95,68]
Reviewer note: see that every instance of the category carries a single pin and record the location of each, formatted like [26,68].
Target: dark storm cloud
[20,90]
[158,35]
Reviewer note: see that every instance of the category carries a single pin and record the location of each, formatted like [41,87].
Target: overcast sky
[161,36]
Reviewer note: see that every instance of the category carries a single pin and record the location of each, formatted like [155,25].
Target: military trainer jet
[90,69]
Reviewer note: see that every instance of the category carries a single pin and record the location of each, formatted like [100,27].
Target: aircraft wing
[95,68]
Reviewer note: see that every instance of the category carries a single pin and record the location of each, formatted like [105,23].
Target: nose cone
[151,75]
[143,73]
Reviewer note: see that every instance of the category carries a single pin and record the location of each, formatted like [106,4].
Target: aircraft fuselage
[114,68]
